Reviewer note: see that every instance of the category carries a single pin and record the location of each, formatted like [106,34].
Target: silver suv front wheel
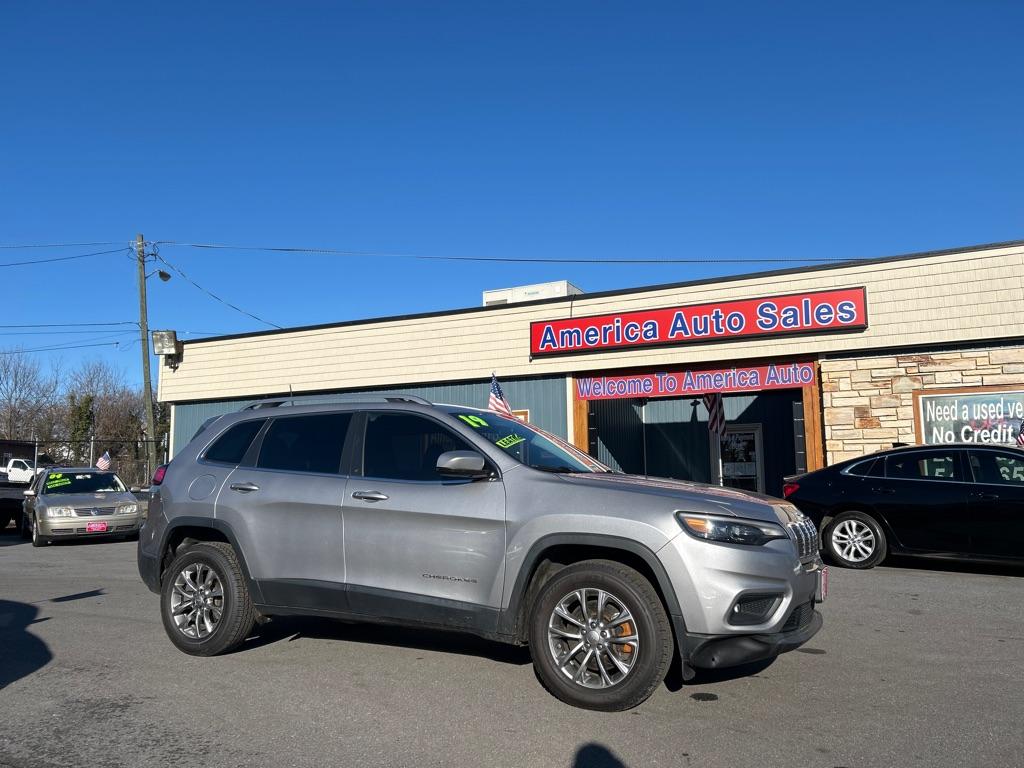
[592,638]
[599,636]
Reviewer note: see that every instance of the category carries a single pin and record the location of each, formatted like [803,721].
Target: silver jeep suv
[396,510]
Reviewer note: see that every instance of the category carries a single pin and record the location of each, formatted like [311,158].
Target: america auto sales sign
[798,313]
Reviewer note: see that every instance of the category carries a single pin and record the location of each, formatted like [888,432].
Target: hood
[77,500]
[688,495]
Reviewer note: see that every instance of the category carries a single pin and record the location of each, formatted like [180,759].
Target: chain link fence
[129,458]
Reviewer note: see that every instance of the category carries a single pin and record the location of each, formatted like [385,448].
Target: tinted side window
[403,446]
[305,443]
[232,445]
[997,468]
[869,468]
[923,465]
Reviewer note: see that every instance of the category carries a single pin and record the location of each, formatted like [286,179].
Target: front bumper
[69,527]
[713,652]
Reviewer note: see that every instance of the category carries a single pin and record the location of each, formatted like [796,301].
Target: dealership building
[814,365]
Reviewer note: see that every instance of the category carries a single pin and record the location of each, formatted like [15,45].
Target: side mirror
[29,492]
[466,464]
[135,489]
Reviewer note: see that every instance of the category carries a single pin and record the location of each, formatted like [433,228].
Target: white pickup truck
[21,471]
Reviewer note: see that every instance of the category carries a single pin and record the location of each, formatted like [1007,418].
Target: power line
[59,258]
[60,348]
[59,245]
[53,333]
[503,259]
[70,325]
[213,295]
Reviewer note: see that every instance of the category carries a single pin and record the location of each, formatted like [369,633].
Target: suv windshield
[82,482]
[527,444]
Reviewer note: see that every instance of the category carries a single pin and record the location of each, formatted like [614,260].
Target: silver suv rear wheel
[197,601]
[204,600]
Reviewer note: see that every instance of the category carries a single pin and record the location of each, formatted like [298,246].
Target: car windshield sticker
[57,480]
[472,420]
[508,442]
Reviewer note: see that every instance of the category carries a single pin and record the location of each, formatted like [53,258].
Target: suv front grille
[806,537]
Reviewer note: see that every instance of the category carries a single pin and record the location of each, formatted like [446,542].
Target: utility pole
[147,384]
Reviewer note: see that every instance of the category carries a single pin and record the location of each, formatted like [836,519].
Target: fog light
[754,608]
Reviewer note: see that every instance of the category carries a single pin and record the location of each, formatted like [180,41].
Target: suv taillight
[158,476]
[789,489]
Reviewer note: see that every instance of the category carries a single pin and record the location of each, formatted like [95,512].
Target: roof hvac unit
[521,293]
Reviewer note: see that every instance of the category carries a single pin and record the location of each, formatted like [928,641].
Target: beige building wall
[868,402]
[923,300]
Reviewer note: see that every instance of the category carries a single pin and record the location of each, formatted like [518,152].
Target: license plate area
[821,589]
[99,527]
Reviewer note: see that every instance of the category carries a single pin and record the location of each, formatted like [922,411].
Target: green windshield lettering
[508,442]
[473,421]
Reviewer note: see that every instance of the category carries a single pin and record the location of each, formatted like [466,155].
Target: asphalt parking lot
[916,665]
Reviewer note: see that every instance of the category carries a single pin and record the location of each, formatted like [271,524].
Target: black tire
[237,612]
[37,540]
[839,530]
[652,628]
[5,520]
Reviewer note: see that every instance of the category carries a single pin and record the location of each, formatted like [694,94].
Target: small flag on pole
[716,413]
[1020,436]
[496,401]
[103,462]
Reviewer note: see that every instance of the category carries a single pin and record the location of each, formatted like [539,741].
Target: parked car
[73,502]
[962,502]
[404,512]
[21,471]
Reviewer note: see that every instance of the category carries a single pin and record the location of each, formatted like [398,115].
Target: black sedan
[951,501]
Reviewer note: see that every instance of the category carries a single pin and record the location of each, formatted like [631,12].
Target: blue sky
[591,129]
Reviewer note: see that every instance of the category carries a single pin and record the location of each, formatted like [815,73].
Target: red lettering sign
[699,382]
[844,309]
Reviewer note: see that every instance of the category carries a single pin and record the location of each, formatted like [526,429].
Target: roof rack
[342,398]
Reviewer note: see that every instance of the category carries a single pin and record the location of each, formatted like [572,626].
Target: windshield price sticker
[57,481]
[508,442]
[474,421]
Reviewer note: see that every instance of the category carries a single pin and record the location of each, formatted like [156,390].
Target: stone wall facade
[868,402]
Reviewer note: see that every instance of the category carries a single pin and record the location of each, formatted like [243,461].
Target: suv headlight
[730,530]
[128,509]
[60,511]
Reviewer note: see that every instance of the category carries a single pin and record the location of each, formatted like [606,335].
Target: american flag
[1020,436]
[716,412]
[496,401]
[103,462]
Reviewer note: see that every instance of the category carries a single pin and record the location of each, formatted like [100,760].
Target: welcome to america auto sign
[820,311]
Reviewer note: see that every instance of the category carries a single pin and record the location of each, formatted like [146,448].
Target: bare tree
[26,392]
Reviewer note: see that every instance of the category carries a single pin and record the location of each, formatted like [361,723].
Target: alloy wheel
[197,601]
[853,540]
[593,638]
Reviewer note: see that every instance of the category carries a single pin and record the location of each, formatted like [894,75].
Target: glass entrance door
[737,460]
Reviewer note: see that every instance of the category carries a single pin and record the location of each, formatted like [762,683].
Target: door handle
[369,495]
[883,490]
[244,487]
[988,496]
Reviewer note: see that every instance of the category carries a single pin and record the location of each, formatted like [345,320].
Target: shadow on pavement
[23,653]
[595,756]
[289,628]
[78,596]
